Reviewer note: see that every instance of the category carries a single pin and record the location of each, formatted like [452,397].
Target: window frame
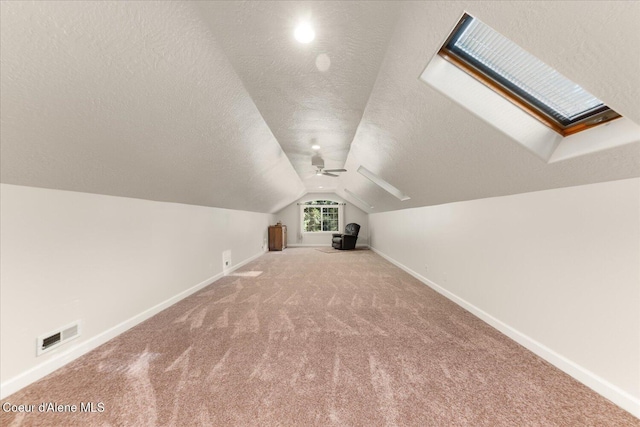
[313,204]
[599,116]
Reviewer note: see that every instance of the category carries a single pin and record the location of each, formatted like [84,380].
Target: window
[321,216]
[523,79]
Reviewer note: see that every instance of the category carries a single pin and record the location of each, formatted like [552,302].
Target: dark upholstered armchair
[348,239]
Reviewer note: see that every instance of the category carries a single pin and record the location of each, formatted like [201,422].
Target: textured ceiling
[437,152]
[215,104]
[304,104]
[133,99]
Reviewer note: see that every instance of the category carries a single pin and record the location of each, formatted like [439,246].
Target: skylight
[524,79]
[383,184]
[358,198]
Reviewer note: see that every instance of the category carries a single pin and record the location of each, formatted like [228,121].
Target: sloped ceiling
[133,99]
[215,103]
[437,152]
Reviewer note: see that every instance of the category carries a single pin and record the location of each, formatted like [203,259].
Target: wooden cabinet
[277,237]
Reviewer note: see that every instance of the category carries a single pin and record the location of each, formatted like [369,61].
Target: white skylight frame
[489,57]
[358,198]
[383,184]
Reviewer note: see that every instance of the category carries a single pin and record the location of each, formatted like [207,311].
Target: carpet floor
[316,339]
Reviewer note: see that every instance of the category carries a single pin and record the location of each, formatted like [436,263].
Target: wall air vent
[52,340]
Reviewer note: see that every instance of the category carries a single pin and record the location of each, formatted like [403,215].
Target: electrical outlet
[226,261]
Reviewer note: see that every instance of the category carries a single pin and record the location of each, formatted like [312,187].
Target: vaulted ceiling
[216,104]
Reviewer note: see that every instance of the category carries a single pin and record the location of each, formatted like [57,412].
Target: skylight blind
[523,73]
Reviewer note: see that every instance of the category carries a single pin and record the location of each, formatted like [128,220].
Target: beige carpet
[332,250]
[329,250]
[345,340]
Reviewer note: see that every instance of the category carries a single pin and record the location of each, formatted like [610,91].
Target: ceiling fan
[318,162]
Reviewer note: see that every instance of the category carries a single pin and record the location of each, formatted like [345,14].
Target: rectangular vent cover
[47,342]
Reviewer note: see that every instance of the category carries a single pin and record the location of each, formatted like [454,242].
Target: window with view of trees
[320,215]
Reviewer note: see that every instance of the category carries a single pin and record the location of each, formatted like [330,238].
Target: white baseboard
[41,370]
[245,262]
[601,386]
[310,245]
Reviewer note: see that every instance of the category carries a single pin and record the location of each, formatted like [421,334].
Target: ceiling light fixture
[304,33]
[323,62]
[315,147]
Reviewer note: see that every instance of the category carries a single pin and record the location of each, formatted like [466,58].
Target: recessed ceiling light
[304,33]
[320,186]
[323,62]
[315,147]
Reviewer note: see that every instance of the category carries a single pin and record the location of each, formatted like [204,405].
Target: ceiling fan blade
[329,174]
[335,170]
